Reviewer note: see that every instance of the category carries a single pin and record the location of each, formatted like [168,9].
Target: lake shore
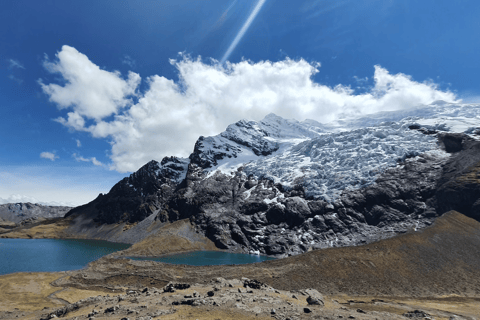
[430,270]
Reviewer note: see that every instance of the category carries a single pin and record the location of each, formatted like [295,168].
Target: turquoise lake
[38,255]
[205,258]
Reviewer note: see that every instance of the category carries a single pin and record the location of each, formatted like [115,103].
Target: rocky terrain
[429,274]
[18,212]
[231,299]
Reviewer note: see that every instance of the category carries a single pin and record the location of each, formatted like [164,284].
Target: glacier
[343,155]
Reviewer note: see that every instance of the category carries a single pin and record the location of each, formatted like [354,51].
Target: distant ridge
[18,212]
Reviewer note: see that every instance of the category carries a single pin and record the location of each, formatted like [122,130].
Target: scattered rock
[416,314]
[314,297]
[171,287]
[111,309]
[254,284]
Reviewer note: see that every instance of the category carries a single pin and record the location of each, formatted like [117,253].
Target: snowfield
[329,158]
[336,161]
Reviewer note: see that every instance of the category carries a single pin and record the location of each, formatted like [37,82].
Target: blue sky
[91,90]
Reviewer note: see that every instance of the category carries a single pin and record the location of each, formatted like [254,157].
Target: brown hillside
[443,259]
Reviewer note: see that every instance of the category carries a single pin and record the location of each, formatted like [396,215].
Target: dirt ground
[434,271]
[34,296]
[175,237]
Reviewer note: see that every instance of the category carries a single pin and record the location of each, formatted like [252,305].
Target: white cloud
[169,116]
[18,198]
[92,159]
[15,198]
[74,121]
[48,155]
[92,92]
[79,144]
[12,63]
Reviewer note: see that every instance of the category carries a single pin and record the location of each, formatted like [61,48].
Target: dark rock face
[453,142]
[459,187]
[136,197]
[18,212]
[208,152]
[238,212]
[239,136]
[133,198]
[245,133]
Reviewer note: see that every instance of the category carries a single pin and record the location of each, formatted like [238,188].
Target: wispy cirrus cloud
[316,8]
[17,80]
[49,155]
[127,60]
[169,116]
[12,64]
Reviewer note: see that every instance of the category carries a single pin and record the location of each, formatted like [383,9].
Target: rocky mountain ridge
[18,212]
[283,187]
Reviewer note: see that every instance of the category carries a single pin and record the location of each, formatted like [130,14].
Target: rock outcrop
[136,197]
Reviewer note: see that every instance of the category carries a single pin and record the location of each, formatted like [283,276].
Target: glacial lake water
[205,258]
[38,255]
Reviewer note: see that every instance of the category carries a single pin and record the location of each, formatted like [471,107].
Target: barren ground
[435,270]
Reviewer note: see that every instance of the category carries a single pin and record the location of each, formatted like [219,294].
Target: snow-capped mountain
[328,159]
[247,141]
[279,186]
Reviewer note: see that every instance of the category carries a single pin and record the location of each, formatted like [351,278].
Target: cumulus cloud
[169,116]
[92,92]
[92,159]
[48,155]
[12,63]
[79,144]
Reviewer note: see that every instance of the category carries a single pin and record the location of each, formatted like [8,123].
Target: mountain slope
[282,187]
[437,261]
